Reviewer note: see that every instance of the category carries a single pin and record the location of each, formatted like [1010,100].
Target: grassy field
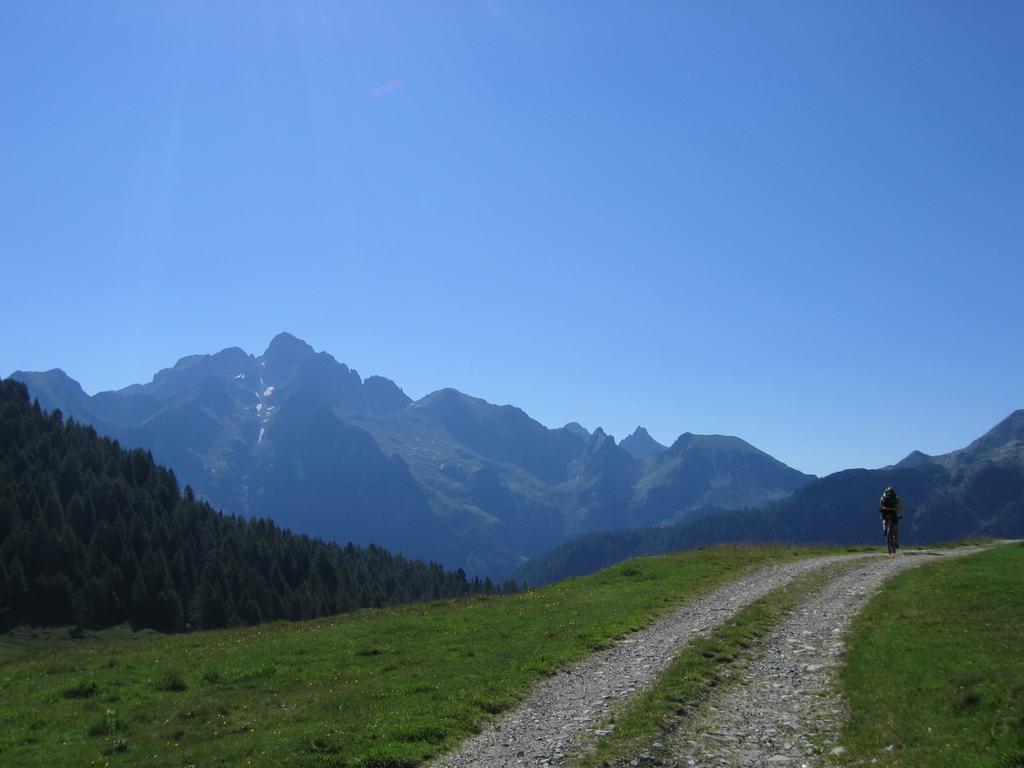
[935,667]
[698,669]
[381,688]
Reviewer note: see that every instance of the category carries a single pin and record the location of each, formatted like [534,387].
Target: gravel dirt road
[566,709]
[783,711]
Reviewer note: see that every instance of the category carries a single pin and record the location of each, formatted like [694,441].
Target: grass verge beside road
[934,672]
[374,689]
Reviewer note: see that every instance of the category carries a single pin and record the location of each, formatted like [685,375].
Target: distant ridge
[1003,443]
[641,445]
[296,436]
[701,472]
[976,491]
[577,429]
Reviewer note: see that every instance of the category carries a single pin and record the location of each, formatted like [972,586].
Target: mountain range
[974,491]
[296,436]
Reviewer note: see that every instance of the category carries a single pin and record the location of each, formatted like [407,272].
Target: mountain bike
[890,535]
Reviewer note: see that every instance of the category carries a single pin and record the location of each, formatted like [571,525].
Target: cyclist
[891,509]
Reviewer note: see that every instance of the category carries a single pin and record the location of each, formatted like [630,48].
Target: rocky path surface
[785,710]
[566,708]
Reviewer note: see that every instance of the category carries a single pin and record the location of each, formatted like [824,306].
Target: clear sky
[797,222]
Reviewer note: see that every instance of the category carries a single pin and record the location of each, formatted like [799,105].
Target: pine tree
[93,534]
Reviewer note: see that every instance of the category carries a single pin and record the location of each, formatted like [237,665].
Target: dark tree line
[94,535]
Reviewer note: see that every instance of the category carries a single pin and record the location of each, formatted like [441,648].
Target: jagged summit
[641,445]
[295,435]
[600,443]
[577,429]
[286,348]
[193,369]
[384,396]
[915,459]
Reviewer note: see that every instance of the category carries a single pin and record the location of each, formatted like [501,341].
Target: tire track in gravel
[565,709]
[785,709]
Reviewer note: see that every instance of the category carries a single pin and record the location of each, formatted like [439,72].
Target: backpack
[889,503]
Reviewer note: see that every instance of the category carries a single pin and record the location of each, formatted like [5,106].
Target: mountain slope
[55,389]
[641,445]
[1004,443]
[980,494]
[578,429]
[602,485]
[700,472]
[295,435]
[91,534]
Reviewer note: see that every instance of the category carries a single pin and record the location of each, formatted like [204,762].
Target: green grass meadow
[934,672]
[378,688]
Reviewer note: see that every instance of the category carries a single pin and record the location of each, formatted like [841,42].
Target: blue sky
[800,223]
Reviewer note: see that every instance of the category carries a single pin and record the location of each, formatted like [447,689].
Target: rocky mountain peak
[600,443]
[1008,430]
[55,389]
[1004,443]
[915,459]
[383,396]
[641,445]
[286,349]
[192,370]
[577,429]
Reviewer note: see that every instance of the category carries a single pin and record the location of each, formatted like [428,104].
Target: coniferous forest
[94,535]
